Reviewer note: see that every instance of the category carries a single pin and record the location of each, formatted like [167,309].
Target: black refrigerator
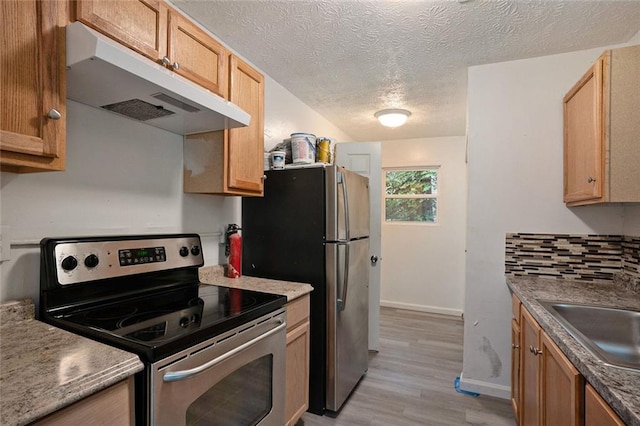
[312,226]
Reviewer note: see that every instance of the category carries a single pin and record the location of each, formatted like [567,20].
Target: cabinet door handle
[54,114]
[515,346]
[537,351]
[176,66]
[590,180]
[166,61]
[531,349]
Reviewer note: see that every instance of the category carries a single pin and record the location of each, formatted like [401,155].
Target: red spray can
[233,251]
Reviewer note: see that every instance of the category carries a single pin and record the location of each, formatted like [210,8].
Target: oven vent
[175,102]
[138,109]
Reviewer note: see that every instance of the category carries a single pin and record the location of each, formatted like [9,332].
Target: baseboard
[485,388]
[422,308]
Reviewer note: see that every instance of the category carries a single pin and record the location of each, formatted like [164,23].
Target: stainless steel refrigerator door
[347,204]
[347,318]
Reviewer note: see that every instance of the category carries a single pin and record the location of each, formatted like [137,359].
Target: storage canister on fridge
[323,147]
[303,148]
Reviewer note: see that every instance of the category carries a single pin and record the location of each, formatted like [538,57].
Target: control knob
[91,261]
[69,263]
[195,250]
[184,322]
[184,252]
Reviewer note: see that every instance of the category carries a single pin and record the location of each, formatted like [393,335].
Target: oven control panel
[83,261]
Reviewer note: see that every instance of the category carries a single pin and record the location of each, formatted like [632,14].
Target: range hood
[104,74]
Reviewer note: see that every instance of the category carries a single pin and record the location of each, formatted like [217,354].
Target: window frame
[435,196]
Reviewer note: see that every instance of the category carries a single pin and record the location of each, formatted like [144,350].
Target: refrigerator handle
[345,203]
[342,300]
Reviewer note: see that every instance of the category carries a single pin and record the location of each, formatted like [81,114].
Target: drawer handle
[175,376]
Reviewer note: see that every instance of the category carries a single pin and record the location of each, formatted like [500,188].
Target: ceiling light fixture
[392,117]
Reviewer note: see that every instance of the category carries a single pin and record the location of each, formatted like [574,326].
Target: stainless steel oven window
[237,373]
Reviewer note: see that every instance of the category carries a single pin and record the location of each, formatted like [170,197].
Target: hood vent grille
[175,102]
[138,109]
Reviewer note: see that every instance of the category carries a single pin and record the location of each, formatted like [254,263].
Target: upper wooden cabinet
[601,128]
[33,101]
[246,144]
[195,55]
[230,162]
[138,24]
[162,34]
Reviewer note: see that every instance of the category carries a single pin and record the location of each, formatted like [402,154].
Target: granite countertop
[44,368]
[215,275]
[619,387]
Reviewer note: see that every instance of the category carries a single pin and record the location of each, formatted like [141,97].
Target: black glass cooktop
[155,326]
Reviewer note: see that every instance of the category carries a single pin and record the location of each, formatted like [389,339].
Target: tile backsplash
[631,256]
[580,257]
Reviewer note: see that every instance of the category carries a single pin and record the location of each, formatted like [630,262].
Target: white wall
[515,185]
[122,177]
[286,114]
[631,223]
[424,264]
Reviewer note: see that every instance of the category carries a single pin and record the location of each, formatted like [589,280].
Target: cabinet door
[529,341]
[32,109]
[196,55]
[561,387]
[246,144]
[597,411]
[584,137]
[138,24]
[297,375]
[111,406]
[297,382]
[515,367]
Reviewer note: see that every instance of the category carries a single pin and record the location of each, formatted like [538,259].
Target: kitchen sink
[611,334]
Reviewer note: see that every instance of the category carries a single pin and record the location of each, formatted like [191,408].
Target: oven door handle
[186,374]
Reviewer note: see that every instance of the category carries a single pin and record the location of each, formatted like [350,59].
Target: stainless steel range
[213,355]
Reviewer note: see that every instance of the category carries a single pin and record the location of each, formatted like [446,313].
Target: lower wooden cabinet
[597,412]
[111,406]
[515,356]
[297,382]
[528,410]
[547,389]
[561,387]
[515,367]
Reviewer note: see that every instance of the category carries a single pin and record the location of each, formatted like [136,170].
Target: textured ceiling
[349,58]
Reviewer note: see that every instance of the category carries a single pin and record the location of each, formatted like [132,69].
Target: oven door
[235,379]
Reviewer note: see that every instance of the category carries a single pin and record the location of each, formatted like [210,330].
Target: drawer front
[297,311]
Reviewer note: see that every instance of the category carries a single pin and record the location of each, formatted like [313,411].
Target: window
[411,195]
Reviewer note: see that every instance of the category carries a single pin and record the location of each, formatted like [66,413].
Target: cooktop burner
[151,323]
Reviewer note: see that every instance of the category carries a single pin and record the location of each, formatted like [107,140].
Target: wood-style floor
[411,380]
